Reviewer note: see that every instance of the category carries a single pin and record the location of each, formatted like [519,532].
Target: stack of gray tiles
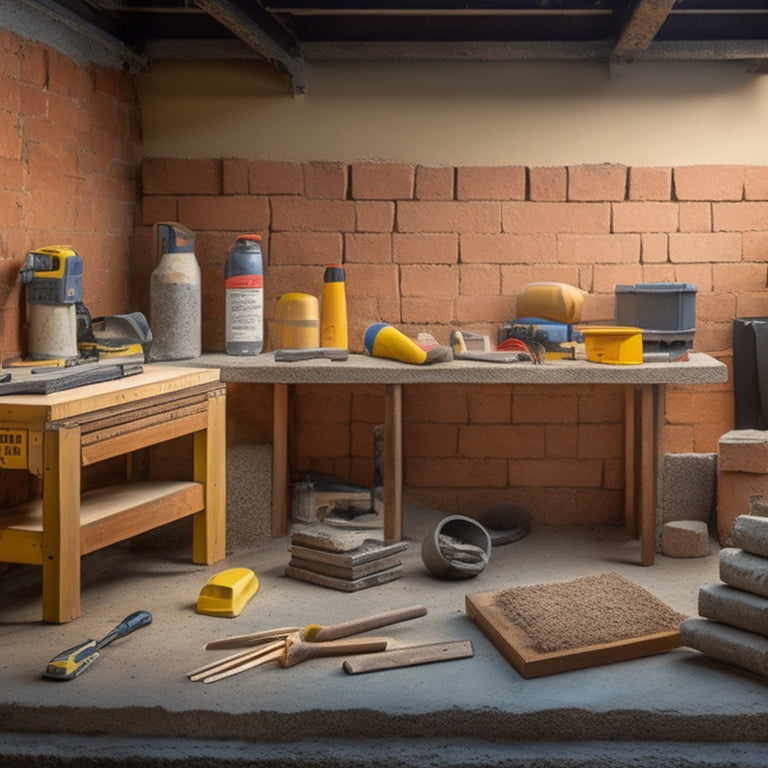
[733,615]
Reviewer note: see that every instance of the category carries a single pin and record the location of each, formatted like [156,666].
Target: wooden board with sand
[545,629]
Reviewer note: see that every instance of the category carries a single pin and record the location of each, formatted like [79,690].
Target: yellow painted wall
[473,113]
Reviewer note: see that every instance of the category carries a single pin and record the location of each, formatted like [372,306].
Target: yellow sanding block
[227,593]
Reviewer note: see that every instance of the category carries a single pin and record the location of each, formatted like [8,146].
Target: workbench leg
[392,462]
[279,460]
[61,525]
[209,527]
[652,407]
[630,470]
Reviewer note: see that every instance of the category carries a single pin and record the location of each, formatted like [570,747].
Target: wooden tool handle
[298,652]
[314,633]
[409,657]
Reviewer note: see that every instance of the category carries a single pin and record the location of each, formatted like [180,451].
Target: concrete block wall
[436,248]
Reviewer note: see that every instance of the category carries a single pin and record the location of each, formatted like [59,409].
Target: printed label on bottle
[244,315]
[244,281]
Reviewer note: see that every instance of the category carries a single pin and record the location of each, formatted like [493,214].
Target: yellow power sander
[61,330]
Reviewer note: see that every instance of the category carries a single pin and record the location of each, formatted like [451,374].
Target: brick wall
[431,249]
[69,165]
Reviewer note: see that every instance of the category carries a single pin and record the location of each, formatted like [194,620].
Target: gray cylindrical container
[244,286]
[175,296]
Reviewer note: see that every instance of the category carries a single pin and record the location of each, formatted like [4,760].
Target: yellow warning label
[13,448]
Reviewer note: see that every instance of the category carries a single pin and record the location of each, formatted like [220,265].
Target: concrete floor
[135,706]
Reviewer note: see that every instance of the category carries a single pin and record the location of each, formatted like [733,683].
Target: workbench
[54,436]
[644,386]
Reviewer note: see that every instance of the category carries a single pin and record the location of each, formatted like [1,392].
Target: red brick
[438,440]
[695,217]
[434,183]
[591,249]
[755,246]
[500,441]
[299,214]
[479,279]
[429,280]
[484,309]
[654,247]
[367,247]
[548,405]
[597,182]
[10,139]
[650,183]
[529,217]
[548,184]
[734,491]
[33,66]
[158,208]
[699,275]
[737,217]
[435,404]
[750,305]
[326,180]
[715,307]
[709,182]
[382,181]
[738,278]
[236,213]
[458,473]
[432,248]
[607,276]
[601,441]
[713,247]
[68,78]
[169,176]
[567,473]
[756,183]
[516,276]
[305,248]
[378,280]
[488,404]
[427,310]
[490,183]
[448,217]
[234,176]
[561,440]
[645,217]
[375,216]
[267,177]
[508,248]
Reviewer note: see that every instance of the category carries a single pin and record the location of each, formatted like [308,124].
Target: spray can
[244,286]
[333,309]
[175,296]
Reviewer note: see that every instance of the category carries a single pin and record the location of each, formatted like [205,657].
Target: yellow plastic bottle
[333,309]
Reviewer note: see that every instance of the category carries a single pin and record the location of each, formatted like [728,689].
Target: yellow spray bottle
[333,309]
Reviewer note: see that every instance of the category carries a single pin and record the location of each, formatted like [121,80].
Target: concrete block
[732,645]
[688,487]
[744,450]
[750,533]
[742,570]
[685,538]
[249,495]
[736,491]
[727,605]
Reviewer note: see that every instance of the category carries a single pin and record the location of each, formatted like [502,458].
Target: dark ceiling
[288,33]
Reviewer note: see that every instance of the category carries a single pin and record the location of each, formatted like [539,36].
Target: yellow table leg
[61,525]
[209,531]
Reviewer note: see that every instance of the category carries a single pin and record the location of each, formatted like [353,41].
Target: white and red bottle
[244,286]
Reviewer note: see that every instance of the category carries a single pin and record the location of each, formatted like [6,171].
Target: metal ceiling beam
[645,21]
[249,22]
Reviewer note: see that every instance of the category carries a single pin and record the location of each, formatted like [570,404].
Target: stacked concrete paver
[733,615]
